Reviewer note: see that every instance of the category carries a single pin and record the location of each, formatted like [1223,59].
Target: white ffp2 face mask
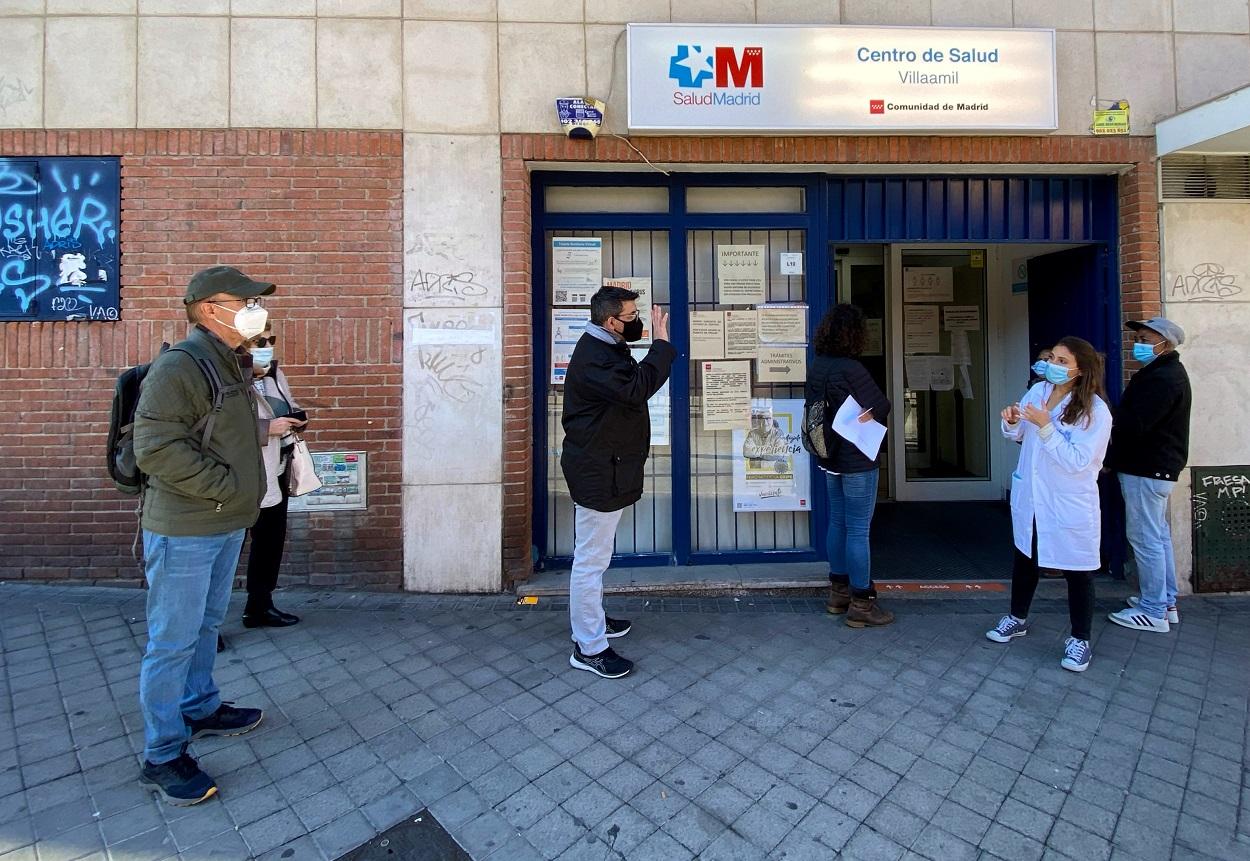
[248,322]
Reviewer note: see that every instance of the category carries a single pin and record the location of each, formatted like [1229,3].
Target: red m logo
[730,67]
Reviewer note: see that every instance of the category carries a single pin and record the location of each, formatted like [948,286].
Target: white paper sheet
[920,329]
[742,337]
[726,395]
[707,334]
[965,383]
[659,407]
[875,344]
[966,318]
[941,373]
[781,365]
[917,368]
[961,352]
[741,274]
[928,284]
[576,267]
[866,436]
[782,324]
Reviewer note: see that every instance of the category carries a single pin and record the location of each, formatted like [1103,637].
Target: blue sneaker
[1007,629]
[1076,655]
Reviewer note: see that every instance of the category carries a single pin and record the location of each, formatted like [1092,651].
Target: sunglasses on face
[267,341]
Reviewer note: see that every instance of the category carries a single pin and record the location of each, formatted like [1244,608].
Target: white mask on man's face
[249,321]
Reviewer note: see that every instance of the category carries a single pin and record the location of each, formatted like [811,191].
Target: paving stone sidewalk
[754,728]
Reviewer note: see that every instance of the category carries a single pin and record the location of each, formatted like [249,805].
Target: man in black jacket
[607,434]
[1149,448]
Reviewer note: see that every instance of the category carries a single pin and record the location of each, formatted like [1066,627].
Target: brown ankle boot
[839,598]
[867,613]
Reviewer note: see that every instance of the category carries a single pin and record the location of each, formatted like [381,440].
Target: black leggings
[1024,576]
[264,559]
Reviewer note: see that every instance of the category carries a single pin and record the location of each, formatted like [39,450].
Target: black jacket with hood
[1150,433]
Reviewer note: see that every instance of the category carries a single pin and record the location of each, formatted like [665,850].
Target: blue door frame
[998,209]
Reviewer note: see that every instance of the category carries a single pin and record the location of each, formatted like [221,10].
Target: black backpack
[818,436]
[122,468]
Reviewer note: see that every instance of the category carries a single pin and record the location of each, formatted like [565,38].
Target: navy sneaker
[227,720]
[179,782]
[1076,655]
[607,664]
[617,627]
[1007,629]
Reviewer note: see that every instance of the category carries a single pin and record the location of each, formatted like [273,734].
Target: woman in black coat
[851,478]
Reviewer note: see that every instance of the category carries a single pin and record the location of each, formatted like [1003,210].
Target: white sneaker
[1174,617]
[1139,621]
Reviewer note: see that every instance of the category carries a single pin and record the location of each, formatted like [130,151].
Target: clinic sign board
[710,78]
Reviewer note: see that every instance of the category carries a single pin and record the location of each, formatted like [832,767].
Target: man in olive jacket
[197,506]
[607,434]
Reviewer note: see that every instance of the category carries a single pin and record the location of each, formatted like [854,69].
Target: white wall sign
[726,78]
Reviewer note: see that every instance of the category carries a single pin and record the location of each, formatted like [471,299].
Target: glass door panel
[714,523]
[646,526]
[941,347]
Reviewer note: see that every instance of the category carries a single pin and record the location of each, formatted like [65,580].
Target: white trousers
[592,553]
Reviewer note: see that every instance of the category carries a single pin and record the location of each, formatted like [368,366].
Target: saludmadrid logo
[726,68]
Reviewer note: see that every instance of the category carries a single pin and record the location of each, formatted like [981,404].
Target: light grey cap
[1161,325]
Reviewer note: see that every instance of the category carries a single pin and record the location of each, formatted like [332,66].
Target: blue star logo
[690,67]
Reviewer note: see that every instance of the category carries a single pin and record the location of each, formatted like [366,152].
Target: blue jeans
[852,498]
[1146,522]
[189,581]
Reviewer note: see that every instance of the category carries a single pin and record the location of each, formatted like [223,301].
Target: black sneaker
[607,664]
[179,782]
[617,627]
[227,720]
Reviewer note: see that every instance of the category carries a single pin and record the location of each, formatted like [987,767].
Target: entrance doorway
[959,277]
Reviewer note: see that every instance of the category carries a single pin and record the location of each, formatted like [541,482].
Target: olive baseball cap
[224,279]
[1161,325]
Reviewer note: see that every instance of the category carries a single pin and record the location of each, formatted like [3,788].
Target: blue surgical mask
[1039,368]
[1056,374]
[1144,353]
[262,356]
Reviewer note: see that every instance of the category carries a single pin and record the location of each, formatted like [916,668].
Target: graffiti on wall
[59,222]
[1206,282]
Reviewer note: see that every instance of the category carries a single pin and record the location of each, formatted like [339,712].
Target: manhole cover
[419,837]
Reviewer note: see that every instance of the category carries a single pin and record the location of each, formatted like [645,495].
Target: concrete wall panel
[184,72]
[1209,65]
[1211,16]
[1150,87]
[273,89]
[451,76]
[21,73]
[359,66]
[451,538]
[553,60]
[99,94]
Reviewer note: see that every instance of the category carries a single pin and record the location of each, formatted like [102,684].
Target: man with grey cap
[1149,448]
[197,443]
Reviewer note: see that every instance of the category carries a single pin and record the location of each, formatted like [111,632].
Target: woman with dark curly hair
[851,478]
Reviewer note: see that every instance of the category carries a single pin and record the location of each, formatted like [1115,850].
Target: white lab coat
[1056,485]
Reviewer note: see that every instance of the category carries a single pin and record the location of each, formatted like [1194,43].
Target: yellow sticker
[976,259]
[529,599]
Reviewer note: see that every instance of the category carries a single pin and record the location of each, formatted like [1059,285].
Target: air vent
[1205,177]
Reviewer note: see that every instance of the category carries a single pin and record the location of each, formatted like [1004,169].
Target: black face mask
[633,330]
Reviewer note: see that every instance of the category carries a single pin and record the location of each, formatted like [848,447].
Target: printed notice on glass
[659,407]
[961,318]
[741,335]
[771,470]
[917,369]
[567,327]
[875,344]
[965,383]
[782,324]
[726,396]
[928,284]
[641,286]
[707,334]
[941,373]
[741,274]
[576,269]
[781,365]
[920,329]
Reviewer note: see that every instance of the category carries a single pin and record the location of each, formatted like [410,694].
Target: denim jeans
[852,498]
[189,581]
[592,554]
[1146,522]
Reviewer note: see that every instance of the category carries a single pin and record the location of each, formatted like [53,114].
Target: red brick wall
[1139,233]
[318,213]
